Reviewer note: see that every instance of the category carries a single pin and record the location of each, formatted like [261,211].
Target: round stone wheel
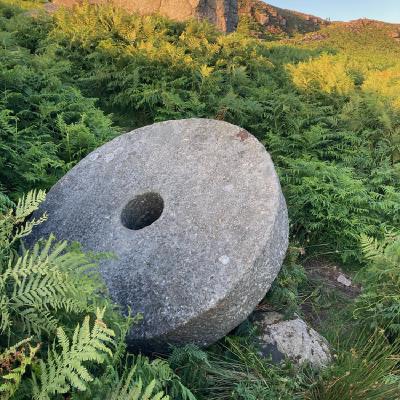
[193,211]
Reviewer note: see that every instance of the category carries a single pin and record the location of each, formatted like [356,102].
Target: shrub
[46,124]
[385,83]
[326,74]
[43,282]
[329,205]
[379,303]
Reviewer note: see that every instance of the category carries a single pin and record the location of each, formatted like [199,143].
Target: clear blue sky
[345,10]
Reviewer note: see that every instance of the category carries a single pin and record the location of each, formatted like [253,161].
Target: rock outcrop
[292,339]
[275,20]
[224,14]
[194,213]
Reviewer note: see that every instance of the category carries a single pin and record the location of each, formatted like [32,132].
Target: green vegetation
[358,40]
[327,111]
[59,332]
[382,285]
[46,123]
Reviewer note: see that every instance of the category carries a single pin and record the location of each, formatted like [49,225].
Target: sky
[345,10]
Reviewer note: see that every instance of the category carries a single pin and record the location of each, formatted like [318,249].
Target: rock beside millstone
[194,213]
[293,339]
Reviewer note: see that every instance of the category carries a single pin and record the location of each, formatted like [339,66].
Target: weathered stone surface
[293,339]
[194,212]
[276,20]
[224,14]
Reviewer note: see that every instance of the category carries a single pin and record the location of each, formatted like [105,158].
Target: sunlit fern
[128,389]
[65,369]
[37,283]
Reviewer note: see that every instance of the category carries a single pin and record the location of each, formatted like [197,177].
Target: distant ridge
[367,32]
[264,19]
[278,21]
[222,13]
[225,14]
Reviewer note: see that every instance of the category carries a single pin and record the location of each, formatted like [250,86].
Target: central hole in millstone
[142,211]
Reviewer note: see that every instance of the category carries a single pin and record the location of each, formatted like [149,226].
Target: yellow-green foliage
[327,74]
[368,43]
[24,4]
[385,83]
[133,391]
[64,368]
[365,51]
[112,31]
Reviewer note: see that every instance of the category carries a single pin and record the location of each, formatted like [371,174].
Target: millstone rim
[199,268]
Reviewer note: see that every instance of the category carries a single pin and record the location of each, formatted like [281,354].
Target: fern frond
[379,303]
[44,279]
[28,204]
[27,227]
[11,380]
[129,389]
[385,252]
[12,222]
[371,247]
[5,318]
[65,368]
[5,202]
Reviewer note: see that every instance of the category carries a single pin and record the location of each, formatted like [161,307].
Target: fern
[13,224]
[43,282]
[11,379]
[5,202]
[379,303]
[43,279]
[160,371]
[127,389]
[65,369]
[284,294]
[50,284]
[384,252]
[28,204]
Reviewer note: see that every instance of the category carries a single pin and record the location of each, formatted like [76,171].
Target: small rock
[293,339]
[343,280]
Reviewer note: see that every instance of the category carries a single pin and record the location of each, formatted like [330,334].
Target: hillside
[277,21]
[226,15]
[322,98]
[359,39]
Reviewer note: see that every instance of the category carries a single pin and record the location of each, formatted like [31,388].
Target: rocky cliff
[276,20]
[224,14]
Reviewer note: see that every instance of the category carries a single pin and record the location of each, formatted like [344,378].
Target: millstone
[193,211]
